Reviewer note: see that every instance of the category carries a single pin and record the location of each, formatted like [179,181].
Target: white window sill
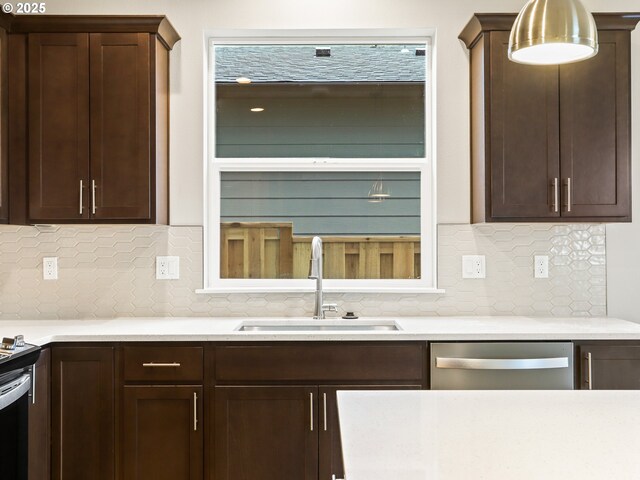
[285,289]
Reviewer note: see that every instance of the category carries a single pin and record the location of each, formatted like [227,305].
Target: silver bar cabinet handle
[324,402]
[81,202]
[195,412]
[311,411]
[555,195]
[93,197]
[502,363]
[569,194]
[589,371]
[160,365]
[33,384]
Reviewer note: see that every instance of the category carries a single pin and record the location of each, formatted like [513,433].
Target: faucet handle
[330,307]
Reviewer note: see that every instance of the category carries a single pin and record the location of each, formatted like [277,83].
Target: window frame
[213,166]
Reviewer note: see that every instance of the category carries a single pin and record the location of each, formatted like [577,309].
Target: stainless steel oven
[17,361]
[502,366]
[14,418]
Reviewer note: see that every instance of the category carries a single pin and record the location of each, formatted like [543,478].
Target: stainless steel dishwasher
[502,366]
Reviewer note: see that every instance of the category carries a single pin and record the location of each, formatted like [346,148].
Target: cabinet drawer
[163,364]
[321,363]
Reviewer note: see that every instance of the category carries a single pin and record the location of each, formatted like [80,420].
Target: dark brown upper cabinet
[96,119]
[550,143]
[4,112]
[58,96]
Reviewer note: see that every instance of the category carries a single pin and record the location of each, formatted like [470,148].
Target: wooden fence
[256,250]
[269,250]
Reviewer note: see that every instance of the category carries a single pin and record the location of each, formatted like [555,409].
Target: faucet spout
[316,258]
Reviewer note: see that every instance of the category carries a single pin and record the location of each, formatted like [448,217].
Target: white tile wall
[109,271]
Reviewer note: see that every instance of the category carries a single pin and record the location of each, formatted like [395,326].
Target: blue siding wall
[324,203]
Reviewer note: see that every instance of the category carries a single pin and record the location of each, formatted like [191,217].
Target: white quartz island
[492,435]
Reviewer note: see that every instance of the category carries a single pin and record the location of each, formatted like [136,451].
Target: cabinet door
[83,413]
[40,421]
[265,433]
[4,114]
[524,136]
[595,131]
[58,101]
[609,367]
[330,444]
[162,433]
[120,126]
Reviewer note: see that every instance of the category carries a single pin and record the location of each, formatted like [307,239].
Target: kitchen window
[320,136]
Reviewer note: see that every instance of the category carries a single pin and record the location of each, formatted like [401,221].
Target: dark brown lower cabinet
[266,433]
[83,413]
[274,433]
[40,421]
[330,444]
[274,405]
[137,412]
[609,367]
[162,436]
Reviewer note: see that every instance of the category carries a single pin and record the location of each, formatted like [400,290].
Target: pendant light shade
[551,32]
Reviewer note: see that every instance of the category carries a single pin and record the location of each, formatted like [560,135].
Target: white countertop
[492,435]
[224,329]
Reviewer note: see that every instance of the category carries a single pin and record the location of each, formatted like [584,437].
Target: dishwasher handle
[502,363]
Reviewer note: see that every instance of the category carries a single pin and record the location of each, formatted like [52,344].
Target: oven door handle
[14,390]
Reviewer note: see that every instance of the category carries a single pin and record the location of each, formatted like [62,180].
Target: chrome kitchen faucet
[316,274]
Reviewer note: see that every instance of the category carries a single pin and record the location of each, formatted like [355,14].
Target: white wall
[191,17]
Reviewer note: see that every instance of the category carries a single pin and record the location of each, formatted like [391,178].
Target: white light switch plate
[474,266]
[50,268]
[167,268]
[541,266]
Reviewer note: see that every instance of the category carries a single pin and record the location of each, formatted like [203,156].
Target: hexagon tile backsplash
[109,271]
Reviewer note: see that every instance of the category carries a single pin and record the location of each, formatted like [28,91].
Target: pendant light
[378,192]
[551,32]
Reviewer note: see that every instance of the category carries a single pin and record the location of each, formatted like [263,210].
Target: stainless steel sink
[318,326]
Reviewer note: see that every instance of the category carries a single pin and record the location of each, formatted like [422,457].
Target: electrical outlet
[167,268]
[474,266]
[541,266]
[50,268]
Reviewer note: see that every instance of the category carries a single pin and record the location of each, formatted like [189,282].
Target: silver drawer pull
[502,363]
[195,412]
[324,401]
[81,201]
[589,371]
[160,365]
[93,197]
